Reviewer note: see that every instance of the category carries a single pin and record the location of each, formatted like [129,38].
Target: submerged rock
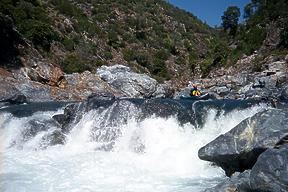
[238,149]
[54,138]
[239,182]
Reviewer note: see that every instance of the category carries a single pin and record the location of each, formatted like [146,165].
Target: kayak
[204,96]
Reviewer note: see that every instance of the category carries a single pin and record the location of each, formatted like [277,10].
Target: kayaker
[195,91]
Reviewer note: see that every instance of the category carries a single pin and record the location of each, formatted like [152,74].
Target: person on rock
[195,91]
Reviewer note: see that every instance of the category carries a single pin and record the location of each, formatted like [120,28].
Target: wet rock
[238,149]
[167,108]
[102,96]
[54,138]
[35,126]
[131,84]
[72,114]
[270,173]
[16,99]
[185,92]
[284,93]
[60,118]
[239,182]
[221,91]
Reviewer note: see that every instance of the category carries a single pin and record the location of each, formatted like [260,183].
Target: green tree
[248,11]
[230,20]
[284,35]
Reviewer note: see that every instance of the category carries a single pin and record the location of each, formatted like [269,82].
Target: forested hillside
[150,36]
[265,30]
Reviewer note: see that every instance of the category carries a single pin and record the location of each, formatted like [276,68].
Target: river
[156,154]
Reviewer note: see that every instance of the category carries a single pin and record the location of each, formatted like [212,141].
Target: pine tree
[230,20]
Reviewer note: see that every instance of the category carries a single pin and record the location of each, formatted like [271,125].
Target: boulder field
[44,82]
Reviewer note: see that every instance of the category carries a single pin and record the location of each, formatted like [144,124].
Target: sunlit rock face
[238,149]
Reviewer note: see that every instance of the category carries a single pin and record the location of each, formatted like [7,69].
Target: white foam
[166,160]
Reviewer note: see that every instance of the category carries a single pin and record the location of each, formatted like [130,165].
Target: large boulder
[270,173]
[131,84]
[238,149]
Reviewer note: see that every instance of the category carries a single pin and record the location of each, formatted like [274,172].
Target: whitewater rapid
[155,154]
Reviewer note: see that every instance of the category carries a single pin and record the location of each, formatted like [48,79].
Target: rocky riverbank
[41,81]
[44,82]
[242,82]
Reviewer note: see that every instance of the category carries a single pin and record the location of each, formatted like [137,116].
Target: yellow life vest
[196,93]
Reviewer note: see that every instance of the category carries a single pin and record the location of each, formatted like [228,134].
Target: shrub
[101,17]
[162,55]
[206,66]
[113,40]
[220,53]
[32,21]
[180,61]
[67,8]
[129,54]
[192,60]
[159,69]
[68,44]
[73,64]
[108,55]
[142,59]
[99,63]
[41,34]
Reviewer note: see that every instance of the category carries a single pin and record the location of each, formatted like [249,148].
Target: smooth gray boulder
[238,149]
[270,173]
[130,83]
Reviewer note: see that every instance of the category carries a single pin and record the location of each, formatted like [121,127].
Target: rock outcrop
[45,82]
[131,84]
[238,149]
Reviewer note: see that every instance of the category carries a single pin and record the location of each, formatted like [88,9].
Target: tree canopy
[230,20]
